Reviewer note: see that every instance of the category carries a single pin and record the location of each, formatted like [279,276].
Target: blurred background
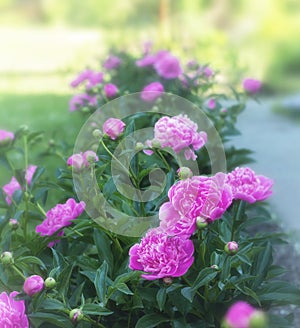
[44,43]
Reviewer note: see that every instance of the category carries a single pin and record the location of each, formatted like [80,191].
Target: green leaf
[188,293]
[95,309]
[56,319]
[161,297]
[123,288]
[151,320]
[204,277]
[30,260]
[103,244]
[51,304]
[261,265]
[100,282]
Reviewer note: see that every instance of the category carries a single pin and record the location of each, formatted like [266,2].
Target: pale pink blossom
[201,196]
[29,173]
[251,85]
[82,160]
[168,66]
[89,76]
[211,104]
[12,312]
[175,224]
[112,62]
[60,216]
[33,285]
[160,255]
[113,127]
[110,90]
[6,137]
[77,101]
[179,133]
[10,188]
[249,186]
[152,91]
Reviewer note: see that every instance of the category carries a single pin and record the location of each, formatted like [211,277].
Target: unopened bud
[50,283]
[215,267]
[97,133]
[24,128]
[13,223]
[155,143]
[51,143]
[168,280]
[85,110]
[258,320]
[7,258]
[201,223]
[139,146]
[76,315]
[231,248]
[184,173]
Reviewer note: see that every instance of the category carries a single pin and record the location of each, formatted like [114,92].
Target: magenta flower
[248,186]
[175,224]
[81,160]
[148,60]
[201,196]
[160,255]
[168,66]
[208,71]
[243,315]
[6,137]
[152,91]
[79,100]
[251,85]
[29,173]
[113,127]
[110,90]
[231,247]
[211,104]
[59,217]
[33,285]
[12,312]
[179,133]
[112,62]
[10,188]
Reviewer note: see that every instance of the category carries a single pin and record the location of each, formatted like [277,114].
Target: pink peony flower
[243,315]
[167,66]
[59,217]
[6,137]
[251,85]
[81,160]
[208,71]
[148,60]
[10,188]
[29,173]
[201,196]
[113,127]
[112,62]
[12,312]
[174,224]
[152,91]
[92,78]
[160,255]
[81,99]
[231,247]
[33,285]
[179,132]
[248,186]
[110,90]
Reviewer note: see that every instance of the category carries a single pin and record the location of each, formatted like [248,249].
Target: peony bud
[7,258]
[184,173]
[155,143]
[50,283]
[13,224]
[110,90]
[33,285]
[76,315]
[6,138]
[139,146]
[97,133]
[258,320]
[113,127]
[231,248]
[168,281]
[201,223]
[215,267]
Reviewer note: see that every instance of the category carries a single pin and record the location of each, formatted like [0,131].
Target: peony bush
[195,250]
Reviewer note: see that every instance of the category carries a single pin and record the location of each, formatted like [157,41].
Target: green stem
[41,209]
[163,159]
[25,217]
[18,271]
